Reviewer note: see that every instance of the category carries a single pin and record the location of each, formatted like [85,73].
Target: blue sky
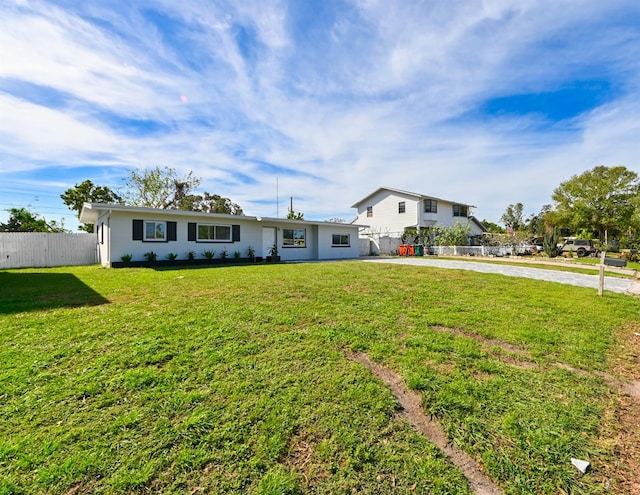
[486,102]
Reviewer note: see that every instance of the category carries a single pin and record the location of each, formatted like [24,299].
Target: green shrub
[209,254]
[150,256]
[550,243]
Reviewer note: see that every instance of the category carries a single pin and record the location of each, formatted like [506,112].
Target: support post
[601,274]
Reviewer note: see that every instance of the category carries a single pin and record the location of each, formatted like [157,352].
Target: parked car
[582,247]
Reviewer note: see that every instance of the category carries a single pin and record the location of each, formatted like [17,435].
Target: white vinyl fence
[374,246]
[381,245]
[34,250]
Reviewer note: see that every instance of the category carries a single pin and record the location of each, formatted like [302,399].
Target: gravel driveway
[613,284]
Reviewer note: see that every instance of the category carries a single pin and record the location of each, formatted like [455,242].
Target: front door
[268,240]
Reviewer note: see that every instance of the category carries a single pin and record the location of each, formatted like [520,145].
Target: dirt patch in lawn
[503,351]
[626,370]
[625,443]
[81,488]
[413,412]
[625,360]
[485,342]
[302,457]
[623,434]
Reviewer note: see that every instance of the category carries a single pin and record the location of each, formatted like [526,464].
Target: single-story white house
[389,212]
[130,230]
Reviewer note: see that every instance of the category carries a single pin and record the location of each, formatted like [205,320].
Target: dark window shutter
[235,233]
[102,233]
[138,228]
[172,231]
[191,231]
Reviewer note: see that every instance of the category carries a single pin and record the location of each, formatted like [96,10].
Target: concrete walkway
[613,284]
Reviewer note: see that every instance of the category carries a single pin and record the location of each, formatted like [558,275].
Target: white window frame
[369,211]
[214,228]
[340,238]
[402,207]
[433,206]
[460,207]
[292,242]
[154,238]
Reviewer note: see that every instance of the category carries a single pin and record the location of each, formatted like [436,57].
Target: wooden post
[601,277]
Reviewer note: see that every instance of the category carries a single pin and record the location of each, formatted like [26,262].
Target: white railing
[471,250]
[34,250]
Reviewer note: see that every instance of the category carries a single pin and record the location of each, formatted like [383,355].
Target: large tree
[22,220]
[538,224]
[513,218]
[635,217]
[600,200]
[159,188]
[164,188]
[631,237]
[492,227]
[210,203]
[88,192]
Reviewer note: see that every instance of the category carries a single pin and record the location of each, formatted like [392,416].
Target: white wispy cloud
[346,95]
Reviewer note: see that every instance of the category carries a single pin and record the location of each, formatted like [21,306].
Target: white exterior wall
[326,251]
[444,215]
[122,243]
[475,230]
[102,231]
[386,221]
[295,253]
[115,230]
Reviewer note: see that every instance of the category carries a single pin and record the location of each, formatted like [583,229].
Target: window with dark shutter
[138,230]
[191,231]
[172,231]
[213,232]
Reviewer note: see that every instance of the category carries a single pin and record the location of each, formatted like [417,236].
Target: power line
[35,206]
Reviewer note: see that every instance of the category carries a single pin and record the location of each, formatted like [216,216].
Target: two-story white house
[389,212]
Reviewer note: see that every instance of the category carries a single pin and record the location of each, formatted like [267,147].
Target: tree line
[601,204]
[152,188]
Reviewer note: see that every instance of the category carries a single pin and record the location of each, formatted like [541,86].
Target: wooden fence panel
[34,250]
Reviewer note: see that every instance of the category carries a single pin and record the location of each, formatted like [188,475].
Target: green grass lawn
[237,380]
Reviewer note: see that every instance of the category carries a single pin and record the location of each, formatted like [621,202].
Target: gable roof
[406,193]
[478,223]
